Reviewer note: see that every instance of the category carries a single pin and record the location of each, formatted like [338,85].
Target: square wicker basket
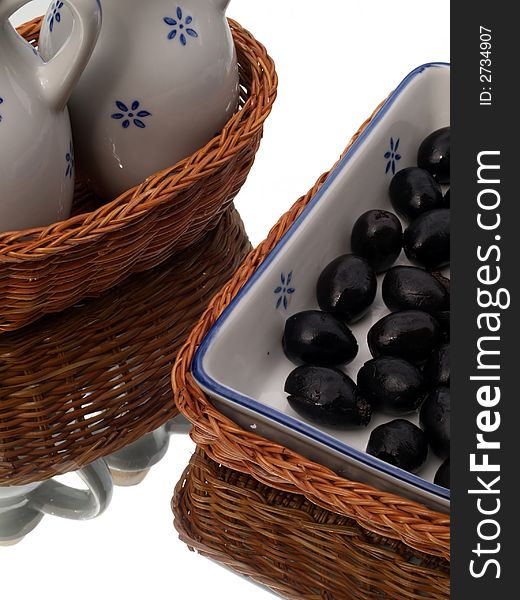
[388,518]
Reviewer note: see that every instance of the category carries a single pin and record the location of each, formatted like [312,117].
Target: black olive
[327,397]
[318,338]
[399,443]
[437,369]
[446,200]
[442,477]
[410,288]
[391,384]
[347,287]
[444,319]
[427,239]
[414,191]
[377,236]
[434,154]
[435,420]
[408,334]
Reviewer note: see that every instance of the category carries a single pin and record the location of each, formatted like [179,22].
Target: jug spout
[9,7]
[222,4]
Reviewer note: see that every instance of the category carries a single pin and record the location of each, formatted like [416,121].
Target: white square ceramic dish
[241,364]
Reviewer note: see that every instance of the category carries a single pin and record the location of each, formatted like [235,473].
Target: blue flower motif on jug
[127,116]
[392,156]
[69,157]
[284,291]
[55,14]
[1,102]
[181,27]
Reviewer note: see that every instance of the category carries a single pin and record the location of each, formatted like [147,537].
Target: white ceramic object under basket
[130,465]
[36,153]
[23,507]
[241,363]
[161,83]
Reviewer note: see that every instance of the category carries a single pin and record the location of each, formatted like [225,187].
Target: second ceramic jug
[162,81]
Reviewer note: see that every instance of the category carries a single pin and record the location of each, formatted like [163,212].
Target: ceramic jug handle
[54,498]
[59,76]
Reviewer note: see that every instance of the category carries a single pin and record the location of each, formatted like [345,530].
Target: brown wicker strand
[297,549]
[382,513]
[80,385]
[47,269]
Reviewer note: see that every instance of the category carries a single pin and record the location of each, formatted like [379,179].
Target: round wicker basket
[85,383]
[382,513]
[298,549]
[46,270]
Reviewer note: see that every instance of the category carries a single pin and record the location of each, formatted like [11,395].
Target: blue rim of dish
[213,386]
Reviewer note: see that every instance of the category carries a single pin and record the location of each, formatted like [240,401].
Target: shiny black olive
[446,200]
[427,239]
[318,338]
[442,477]
[435,420]
[444,319]
[434,154]
[411,288]
[347,287]
[399,443]
[377,236]
[327,397]
[408,334]
[437,370]
[391,384]
[414,191]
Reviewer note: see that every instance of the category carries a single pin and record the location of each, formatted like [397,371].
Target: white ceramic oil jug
[162,81]
[36,152]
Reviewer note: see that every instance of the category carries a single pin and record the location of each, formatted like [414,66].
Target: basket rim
[87,227]
[384,513]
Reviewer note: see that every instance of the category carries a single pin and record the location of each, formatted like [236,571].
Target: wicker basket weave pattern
[384,514]
[80,385]
[296,548]
[47,269]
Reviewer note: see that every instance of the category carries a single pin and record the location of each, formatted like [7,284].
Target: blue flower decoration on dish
[284,291]
[69,157]
[181,27]
[392,156]
[127,116]
[55,14]
[1,102]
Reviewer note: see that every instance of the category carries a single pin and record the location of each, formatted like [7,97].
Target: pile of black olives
[410,368]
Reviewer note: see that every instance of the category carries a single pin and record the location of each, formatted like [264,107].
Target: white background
[336,59]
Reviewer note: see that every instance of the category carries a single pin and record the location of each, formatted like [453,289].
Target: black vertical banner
[485,318]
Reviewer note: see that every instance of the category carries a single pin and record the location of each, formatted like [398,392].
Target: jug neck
[14,53]
[221,4]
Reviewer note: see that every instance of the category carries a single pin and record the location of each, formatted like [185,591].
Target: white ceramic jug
[36,153]
[162,81]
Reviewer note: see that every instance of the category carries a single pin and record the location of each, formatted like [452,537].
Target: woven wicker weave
[85,383]
[48,269]
[296,548]
[382,513]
